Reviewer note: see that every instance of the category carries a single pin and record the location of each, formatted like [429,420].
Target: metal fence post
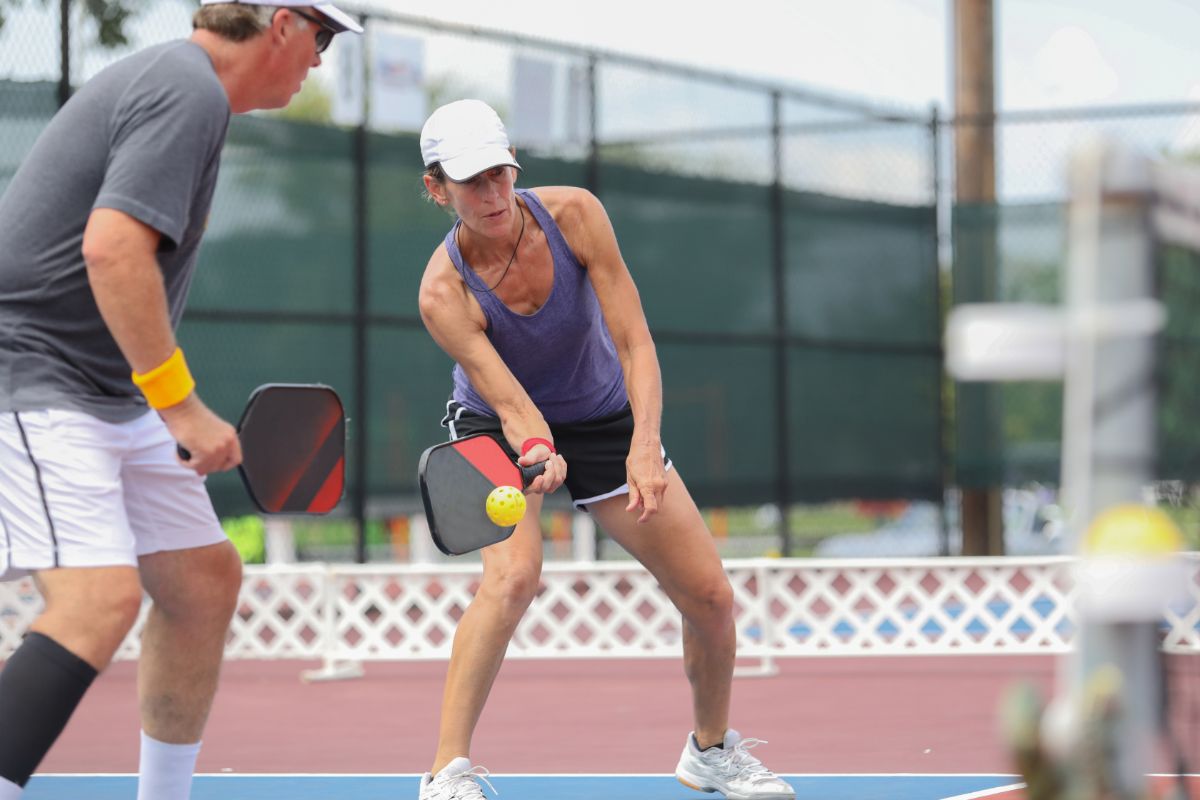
[779,270]
[939,304]
[592,173]
[361,386]
[64,52]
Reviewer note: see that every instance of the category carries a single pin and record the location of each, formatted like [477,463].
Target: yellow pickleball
[505,505]
[1133,530]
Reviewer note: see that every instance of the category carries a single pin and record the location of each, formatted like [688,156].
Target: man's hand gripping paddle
[293,440]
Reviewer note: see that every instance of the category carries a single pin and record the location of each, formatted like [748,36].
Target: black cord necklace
[511,258]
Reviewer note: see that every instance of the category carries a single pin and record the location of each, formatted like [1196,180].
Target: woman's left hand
[647,479]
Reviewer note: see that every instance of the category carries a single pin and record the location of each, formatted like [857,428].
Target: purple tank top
[562,354]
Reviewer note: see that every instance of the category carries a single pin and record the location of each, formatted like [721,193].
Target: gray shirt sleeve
[163,136]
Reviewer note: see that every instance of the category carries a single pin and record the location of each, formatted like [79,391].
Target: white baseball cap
[337,18]
[466,137]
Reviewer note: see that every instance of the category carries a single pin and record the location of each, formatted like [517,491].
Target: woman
[531,298]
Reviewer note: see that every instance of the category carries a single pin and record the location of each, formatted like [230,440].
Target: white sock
[9,790]
[165,770]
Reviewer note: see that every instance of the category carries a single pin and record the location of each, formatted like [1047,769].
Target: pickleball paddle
[293,440]
[455,479]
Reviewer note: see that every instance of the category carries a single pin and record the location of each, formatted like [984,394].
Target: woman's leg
[511,571]
[677,548]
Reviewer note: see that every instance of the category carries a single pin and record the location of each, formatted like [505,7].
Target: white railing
[784,607]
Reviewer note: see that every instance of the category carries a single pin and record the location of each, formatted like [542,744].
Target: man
[99,231]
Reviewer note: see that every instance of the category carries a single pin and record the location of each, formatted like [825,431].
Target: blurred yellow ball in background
[505,505]
[1133,530]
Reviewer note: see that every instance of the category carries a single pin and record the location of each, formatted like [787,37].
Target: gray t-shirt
[143,137]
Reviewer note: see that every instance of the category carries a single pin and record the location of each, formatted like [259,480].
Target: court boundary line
[987,792]
[542,775]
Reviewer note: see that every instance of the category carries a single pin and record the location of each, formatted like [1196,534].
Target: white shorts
[81,492]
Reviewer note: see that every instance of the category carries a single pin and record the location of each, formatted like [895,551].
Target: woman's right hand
[552,476]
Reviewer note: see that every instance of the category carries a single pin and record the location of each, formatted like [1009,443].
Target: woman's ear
[436,191]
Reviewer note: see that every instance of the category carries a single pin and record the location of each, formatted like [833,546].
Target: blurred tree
[110,17]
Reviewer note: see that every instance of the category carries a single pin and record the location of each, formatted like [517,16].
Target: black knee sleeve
[40,687]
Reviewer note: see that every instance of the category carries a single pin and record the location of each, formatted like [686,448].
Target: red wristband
[529,444]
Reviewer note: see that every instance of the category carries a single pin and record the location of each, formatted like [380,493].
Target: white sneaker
[730,770]
[456,781]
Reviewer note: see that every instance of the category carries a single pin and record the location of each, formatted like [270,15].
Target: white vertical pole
[280,541]
[762,611]
[331,669]
[421,547]
[583,536]
[1108,447]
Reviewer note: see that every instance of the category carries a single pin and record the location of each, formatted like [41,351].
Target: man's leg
[193,575]
[194,595]
[88,612]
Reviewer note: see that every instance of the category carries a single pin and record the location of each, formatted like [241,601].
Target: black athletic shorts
[595,450]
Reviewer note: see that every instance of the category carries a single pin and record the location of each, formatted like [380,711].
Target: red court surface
[831,715]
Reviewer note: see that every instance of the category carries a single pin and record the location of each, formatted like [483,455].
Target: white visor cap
[466,137]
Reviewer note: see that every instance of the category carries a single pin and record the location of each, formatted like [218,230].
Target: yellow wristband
[167,384]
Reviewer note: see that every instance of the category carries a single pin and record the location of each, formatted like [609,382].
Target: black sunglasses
[324,35]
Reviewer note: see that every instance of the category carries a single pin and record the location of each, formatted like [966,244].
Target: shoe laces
[738,763]
[463,786]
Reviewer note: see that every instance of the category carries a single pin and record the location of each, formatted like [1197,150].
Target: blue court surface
[522,787]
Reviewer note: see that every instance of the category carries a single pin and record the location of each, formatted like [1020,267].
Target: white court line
[560,775]
[986,792]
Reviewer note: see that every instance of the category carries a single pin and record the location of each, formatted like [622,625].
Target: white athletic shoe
[458,780]
[730,770]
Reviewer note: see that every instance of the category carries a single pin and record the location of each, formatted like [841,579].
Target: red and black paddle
[456,478]
[293,448]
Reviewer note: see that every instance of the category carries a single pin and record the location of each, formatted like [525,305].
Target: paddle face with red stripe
[294,448]
[456,478]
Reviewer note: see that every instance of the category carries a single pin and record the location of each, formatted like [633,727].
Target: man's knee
[90,611]
[125,605]
[203,582]
[219,580]
[226,575]
[116,610]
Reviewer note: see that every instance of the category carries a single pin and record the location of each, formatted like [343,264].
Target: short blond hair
[236,22]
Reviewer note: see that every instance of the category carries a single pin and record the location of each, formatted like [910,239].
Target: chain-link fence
[1013,250]
[786,244]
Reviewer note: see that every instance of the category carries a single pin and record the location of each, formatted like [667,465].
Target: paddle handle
[531,472]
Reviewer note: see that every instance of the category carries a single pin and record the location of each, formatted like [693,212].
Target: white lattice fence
[1183,620]
[926,607]
[280,615]
[581,610]
[796,607]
